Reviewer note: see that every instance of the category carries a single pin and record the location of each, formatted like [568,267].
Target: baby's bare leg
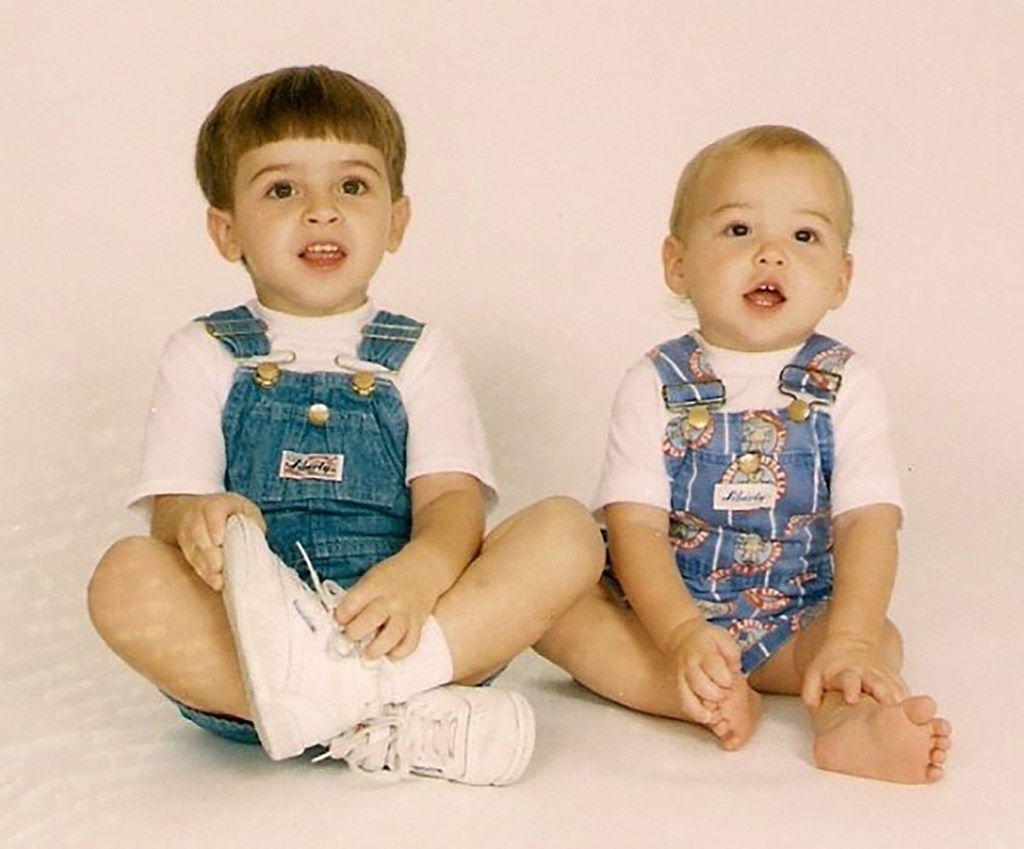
[156,614]
[604,646]
[904,742]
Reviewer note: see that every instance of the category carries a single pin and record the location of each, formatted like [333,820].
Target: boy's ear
[220,225]
[401,212]
[672,262]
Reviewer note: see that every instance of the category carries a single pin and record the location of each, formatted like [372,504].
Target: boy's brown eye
[738,230]
[280,191]
[805,236]
[353,187]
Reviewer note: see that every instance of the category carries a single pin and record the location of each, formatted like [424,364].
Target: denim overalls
[321,454]
[750,518]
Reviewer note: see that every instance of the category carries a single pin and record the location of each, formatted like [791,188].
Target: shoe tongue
[374,750]
[434,745]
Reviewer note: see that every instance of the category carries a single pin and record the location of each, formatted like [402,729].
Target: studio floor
[90,756]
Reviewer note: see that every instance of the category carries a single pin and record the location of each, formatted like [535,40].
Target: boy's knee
[112,576]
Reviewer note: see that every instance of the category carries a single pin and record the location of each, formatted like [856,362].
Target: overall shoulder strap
[816,372]
[388,338]
[239,331]
[686,378]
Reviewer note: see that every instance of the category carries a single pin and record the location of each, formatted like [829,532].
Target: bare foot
[905,743]
[735,717]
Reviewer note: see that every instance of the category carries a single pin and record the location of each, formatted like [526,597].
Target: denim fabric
[763,572]
[346,525]
[347,519]
[229,727]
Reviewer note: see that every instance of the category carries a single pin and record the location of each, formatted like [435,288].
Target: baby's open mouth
[766,295]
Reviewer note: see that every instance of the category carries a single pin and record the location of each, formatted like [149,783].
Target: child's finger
[851,685]
[406,646]
[811,691]
[885,688]
[366,623]
[692,705]
[352,604]
[386,639]
[718,668]
[703,686]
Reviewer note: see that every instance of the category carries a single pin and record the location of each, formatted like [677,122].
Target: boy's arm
[705,657]
[389,604]
[195,524]
[850,660]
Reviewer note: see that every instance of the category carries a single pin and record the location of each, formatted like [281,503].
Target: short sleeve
[183,448]
[634,468]
[865,470]
[445,431]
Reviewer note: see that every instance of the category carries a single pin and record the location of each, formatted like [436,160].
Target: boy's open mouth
[766,295]
[323,253]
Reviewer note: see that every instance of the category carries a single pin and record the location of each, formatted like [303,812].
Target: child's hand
[201,532]
[706,659]
[386,608]
[851,666]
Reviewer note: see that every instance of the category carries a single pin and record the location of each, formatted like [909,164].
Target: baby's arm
[195,524]
[705,658]
[850,660]
[389,604]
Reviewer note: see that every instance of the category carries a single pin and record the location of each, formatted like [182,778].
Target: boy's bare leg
[531,568]
[904,742]
[604,646]
[155,613]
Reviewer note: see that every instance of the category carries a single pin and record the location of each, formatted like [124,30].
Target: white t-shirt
[184,453]
[634,466]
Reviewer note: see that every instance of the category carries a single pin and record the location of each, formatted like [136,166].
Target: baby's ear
[672,263]
[843,283]
[220,225]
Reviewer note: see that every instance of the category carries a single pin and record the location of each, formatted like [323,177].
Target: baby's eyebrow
[730,207]
[816,214]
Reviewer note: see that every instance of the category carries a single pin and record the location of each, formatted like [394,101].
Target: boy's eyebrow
[342,163]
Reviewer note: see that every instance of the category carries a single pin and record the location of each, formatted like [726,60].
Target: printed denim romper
[750,518]
[322,454]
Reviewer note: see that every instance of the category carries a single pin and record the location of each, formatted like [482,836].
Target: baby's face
[312,220]
[763,259]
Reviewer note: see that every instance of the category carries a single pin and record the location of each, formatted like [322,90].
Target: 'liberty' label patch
[311,467]
[744,496]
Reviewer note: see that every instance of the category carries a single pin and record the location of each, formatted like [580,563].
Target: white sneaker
[304,680]
[473,735]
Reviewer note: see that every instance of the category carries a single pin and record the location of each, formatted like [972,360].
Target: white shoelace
[402,741]
[330,594]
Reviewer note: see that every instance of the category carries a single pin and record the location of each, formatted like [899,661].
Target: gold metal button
[749,463]
[799,410]
[318,414]
[266,375]
[698,417]
[363,383]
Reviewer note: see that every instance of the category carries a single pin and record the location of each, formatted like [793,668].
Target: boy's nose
[322,210]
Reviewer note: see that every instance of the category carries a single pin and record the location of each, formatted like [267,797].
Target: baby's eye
[281,190]
[737,229]
[354,186]
[805,235]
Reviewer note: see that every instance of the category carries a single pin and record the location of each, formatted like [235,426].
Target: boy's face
[312,219]
[763,258]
